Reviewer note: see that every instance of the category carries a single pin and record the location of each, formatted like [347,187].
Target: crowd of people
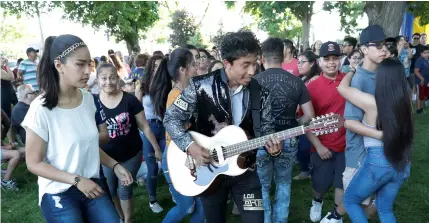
[142,103]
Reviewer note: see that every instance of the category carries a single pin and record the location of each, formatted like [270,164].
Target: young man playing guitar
[219,99]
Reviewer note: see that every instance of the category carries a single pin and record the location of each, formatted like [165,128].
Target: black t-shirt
[417,51]
[287,92]
[18,115]
[125,141]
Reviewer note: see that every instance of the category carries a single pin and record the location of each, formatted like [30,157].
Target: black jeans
[247,194]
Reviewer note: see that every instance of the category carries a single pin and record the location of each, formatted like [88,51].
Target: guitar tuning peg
[317,133]
[323,116]
[331,130]
[336,129]
[317,117]
[326,132]
[331,113]
[313,119]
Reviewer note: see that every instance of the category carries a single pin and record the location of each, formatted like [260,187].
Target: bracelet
[277,154]
[113,168]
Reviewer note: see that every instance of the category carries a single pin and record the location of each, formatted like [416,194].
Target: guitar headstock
[325,124]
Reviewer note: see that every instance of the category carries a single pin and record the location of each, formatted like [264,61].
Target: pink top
[291,67]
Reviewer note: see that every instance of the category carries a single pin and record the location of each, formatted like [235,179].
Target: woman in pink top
[290,64]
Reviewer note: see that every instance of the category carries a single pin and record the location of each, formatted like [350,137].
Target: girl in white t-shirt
[62,139]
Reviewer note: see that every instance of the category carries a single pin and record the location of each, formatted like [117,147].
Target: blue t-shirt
[423,65]
[363,80]
[137,73]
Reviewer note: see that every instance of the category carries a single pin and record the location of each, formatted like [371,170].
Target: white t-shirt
[71,137]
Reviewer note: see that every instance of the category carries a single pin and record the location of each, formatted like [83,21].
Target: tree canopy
[350,11]
[280,19]
[183,28]
[123,20]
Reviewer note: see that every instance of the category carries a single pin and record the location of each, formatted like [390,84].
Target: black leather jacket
[208,101]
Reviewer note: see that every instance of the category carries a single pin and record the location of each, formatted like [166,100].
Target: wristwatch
[76,180]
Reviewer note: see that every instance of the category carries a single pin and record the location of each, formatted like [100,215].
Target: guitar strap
[255,97]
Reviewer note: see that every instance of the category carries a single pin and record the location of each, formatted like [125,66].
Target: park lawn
[411,206]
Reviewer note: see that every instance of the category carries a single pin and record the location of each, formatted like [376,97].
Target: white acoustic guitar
[225,149]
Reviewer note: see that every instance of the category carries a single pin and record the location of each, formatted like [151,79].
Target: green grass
[411,205]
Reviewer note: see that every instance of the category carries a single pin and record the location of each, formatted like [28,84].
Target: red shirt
[291,67]
[326,99]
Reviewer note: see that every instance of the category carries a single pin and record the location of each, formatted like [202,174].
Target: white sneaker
[332,220]
[156,208]
[141,182]
[316,211]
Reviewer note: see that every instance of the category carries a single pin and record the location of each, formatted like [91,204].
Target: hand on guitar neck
[202,156]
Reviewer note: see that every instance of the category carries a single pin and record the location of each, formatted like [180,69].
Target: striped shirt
[29,71]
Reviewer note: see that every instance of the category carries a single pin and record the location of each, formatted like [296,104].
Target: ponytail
[160,88]
[167,72]
[55,48]
[48,76]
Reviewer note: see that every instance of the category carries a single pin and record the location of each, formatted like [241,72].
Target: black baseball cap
[372,34]
[31,49]
[330,48]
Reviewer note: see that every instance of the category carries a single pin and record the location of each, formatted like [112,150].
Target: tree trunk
[387,14]
[40,26]
[306,19]
[132,40]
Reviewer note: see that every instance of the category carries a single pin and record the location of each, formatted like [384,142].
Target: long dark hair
[212,64]
[394,112]
[115,60]
[315,69]
[148,74]
[48,76]
[167,71]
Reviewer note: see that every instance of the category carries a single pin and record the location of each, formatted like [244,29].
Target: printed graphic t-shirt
[287,92]
[125,141]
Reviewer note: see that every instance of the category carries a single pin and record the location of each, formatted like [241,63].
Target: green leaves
[420,9]
[183,28]
[350,11]
[279,19]
[124,20]
[28,8]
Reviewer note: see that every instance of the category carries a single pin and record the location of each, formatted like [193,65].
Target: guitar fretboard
[252,144]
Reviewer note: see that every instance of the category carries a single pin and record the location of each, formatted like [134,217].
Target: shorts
[326,173]
[115,187]
[348,175]
[423,92]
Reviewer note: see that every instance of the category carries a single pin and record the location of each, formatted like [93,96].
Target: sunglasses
[416,38]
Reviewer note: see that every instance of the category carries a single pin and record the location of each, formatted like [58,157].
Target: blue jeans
[73,206]
[184,205]
[376,175]
[149,155]
[281,167]
[304,147]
